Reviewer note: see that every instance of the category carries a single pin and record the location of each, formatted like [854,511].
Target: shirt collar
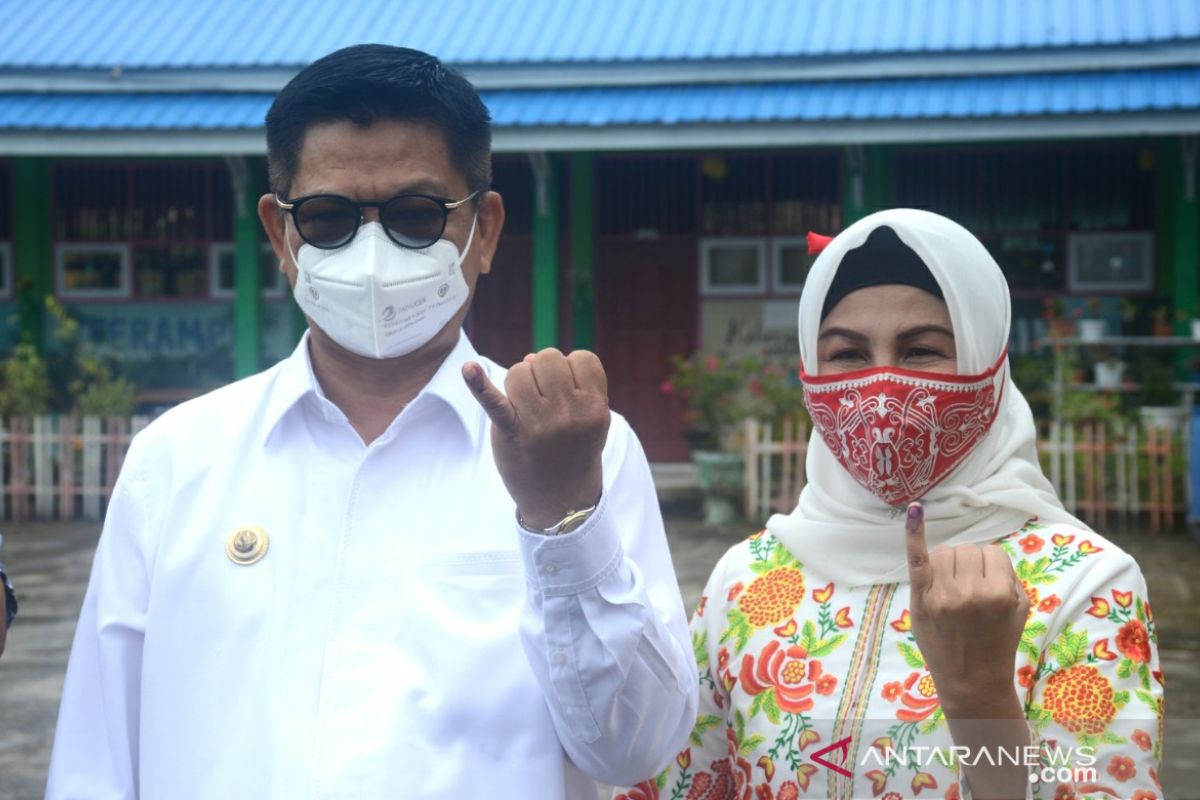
[296,380]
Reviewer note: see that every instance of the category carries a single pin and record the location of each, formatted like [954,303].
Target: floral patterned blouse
[811,689]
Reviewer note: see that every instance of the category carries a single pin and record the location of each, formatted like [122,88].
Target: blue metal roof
[244,33]
[933,98]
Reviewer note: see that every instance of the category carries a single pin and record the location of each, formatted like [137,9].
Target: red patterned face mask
[899,432]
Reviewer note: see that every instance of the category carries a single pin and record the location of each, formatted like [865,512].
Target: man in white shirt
[367,572]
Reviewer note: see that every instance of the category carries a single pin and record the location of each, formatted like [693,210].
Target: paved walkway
[51,564]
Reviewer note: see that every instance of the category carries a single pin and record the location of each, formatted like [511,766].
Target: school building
[661,163]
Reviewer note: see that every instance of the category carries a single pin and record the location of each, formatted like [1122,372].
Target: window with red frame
[145,231]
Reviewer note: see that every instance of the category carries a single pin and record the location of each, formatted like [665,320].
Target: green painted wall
[32,243]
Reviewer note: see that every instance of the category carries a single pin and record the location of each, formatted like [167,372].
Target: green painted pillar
[1185,221]
[867,175]
[1168,165]
[247,270]
[545,252]
[33,248]
[583,251]
[879,178]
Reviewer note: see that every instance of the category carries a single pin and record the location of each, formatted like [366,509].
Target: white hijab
[845,532]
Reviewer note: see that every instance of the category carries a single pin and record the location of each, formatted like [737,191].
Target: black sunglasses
[330,221]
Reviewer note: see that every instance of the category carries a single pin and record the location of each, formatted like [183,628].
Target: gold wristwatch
[571,522]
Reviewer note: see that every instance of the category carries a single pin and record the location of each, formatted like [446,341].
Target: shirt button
[560,657]
[551,568]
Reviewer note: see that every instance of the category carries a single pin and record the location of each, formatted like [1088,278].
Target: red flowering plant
[713,390]
[775,395]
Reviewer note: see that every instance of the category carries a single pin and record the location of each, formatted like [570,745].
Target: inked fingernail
[915,513]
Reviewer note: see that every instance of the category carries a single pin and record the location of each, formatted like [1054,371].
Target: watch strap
[572,521]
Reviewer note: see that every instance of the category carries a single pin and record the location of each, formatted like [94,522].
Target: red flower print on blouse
[1049,603]
[1141,739]
[842,618]
[1025,676]
[1144,794]
[952,793]
[919,697]
[715,785]
[892,690]
[1121,768]
[646,790]
[1100,650]
[734,591]
[1031,543]
[788,791]
[1134,641]
[1080,698]
[1064,792]
[785,671]
[1099,608]
[1032,593]
[1061,540]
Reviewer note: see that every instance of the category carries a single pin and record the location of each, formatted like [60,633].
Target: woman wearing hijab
[980,642]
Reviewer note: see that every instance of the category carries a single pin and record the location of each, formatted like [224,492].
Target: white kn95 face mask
[378,299]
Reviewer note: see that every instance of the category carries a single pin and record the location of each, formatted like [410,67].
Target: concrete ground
[50,563]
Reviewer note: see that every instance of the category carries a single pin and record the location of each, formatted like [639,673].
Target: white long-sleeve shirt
[401,638]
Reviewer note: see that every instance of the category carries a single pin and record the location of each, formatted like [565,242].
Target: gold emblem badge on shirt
[246,545]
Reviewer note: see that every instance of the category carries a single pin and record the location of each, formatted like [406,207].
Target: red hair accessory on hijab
[817,242]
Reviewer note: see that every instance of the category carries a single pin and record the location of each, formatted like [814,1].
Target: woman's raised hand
[968,611]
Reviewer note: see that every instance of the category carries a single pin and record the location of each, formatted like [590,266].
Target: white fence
[62,467]
[1099,471]
[774,466]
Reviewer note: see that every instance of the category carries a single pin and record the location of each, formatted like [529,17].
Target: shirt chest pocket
[471,596]
[467,614]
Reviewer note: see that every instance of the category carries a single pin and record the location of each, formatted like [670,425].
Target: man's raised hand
[548,431]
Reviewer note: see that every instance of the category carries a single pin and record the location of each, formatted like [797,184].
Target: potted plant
[1162,321]
[1129,316]
[1110,372]
[1091,327]
[1053,314]
[775,397]
[712,388]
[1157,398]
[1193,321]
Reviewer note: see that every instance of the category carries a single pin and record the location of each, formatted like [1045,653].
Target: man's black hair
[367,83]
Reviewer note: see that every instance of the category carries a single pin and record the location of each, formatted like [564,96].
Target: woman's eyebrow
[845,333]
[912,333]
